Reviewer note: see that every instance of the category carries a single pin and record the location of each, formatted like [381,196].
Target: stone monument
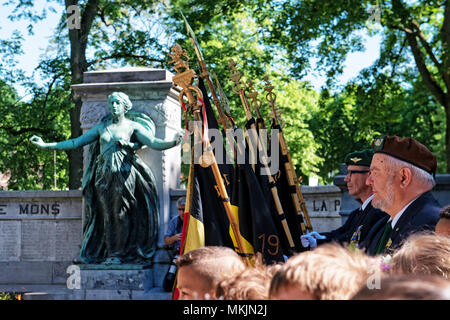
[152,93]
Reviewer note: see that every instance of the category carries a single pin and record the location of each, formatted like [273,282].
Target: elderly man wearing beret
[402,177]
[360,220]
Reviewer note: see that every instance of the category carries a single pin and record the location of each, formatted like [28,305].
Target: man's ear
[405,177]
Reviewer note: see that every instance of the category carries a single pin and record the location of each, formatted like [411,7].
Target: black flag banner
[253,216]
[207,201]
[256,222]
[268,197]
[286,189]
[287,196]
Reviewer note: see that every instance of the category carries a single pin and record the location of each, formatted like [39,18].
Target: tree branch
[425,44]
[50,87]
[15,132]
[394,66]
[412,30]
[427,77]
[89,14]
[102,16]
[442,70]
[445,38]
[445,30]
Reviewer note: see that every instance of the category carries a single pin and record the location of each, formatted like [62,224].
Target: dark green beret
[359,158]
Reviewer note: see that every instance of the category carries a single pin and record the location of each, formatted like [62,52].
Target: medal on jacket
[356,236]
[388,244]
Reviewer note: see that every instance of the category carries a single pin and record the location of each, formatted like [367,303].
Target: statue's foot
[112,260]
[77,259]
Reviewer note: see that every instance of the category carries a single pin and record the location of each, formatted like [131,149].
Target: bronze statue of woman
[121,200]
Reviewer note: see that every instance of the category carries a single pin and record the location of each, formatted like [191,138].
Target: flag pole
[185,81]
[237,88]
[188,205]
[256,104]
[224,118]
[186,215]
[292,178]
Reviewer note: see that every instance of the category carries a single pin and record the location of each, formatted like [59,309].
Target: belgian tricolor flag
[205,221]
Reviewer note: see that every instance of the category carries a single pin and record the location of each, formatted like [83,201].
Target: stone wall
[40,235]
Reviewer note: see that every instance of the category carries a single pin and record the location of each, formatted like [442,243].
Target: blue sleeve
[172,227]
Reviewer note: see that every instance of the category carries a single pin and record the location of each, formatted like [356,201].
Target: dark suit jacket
[422,214]
[364,219]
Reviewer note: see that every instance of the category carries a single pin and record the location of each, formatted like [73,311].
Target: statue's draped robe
[121,203]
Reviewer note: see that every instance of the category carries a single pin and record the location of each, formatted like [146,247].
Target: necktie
[384,238]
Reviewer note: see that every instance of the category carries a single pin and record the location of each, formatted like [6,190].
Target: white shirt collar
[365,203]
[399,214]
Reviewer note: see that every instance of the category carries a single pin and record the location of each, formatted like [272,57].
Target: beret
[408,150]
[359,158]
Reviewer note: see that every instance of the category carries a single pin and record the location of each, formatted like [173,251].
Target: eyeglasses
[350,172]
[181,208]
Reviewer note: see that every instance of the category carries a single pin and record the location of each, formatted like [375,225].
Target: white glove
[308,241]
[316,235]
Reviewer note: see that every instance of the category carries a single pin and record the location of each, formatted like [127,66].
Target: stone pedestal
[98,282]
[94,282]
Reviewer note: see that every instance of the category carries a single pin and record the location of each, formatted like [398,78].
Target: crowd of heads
[420,269]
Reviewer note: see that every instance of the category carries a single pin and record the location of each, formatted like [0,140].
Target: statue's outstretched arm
[153,142]
[80,141]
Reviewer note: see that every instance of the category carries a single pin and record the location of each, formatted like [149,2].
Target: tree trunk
[447,131]
[75,155]
[77,60]
[78,44]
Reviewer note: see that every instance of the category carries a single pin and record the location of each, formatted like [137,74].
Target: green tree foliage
[45,114]
[118,31]
[415,34]
[348,120]
[403,93]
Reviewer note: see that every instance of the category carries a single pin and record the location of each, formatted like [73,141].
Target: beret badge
[378,143]
[355,160]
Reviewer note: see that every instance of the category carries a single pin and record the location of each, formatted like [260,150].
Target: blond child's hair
[425,253]
[213,263]
[330,272]
[252,284]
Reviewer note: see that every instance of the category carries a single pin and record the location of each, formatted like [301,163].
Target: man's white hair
[394,164]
